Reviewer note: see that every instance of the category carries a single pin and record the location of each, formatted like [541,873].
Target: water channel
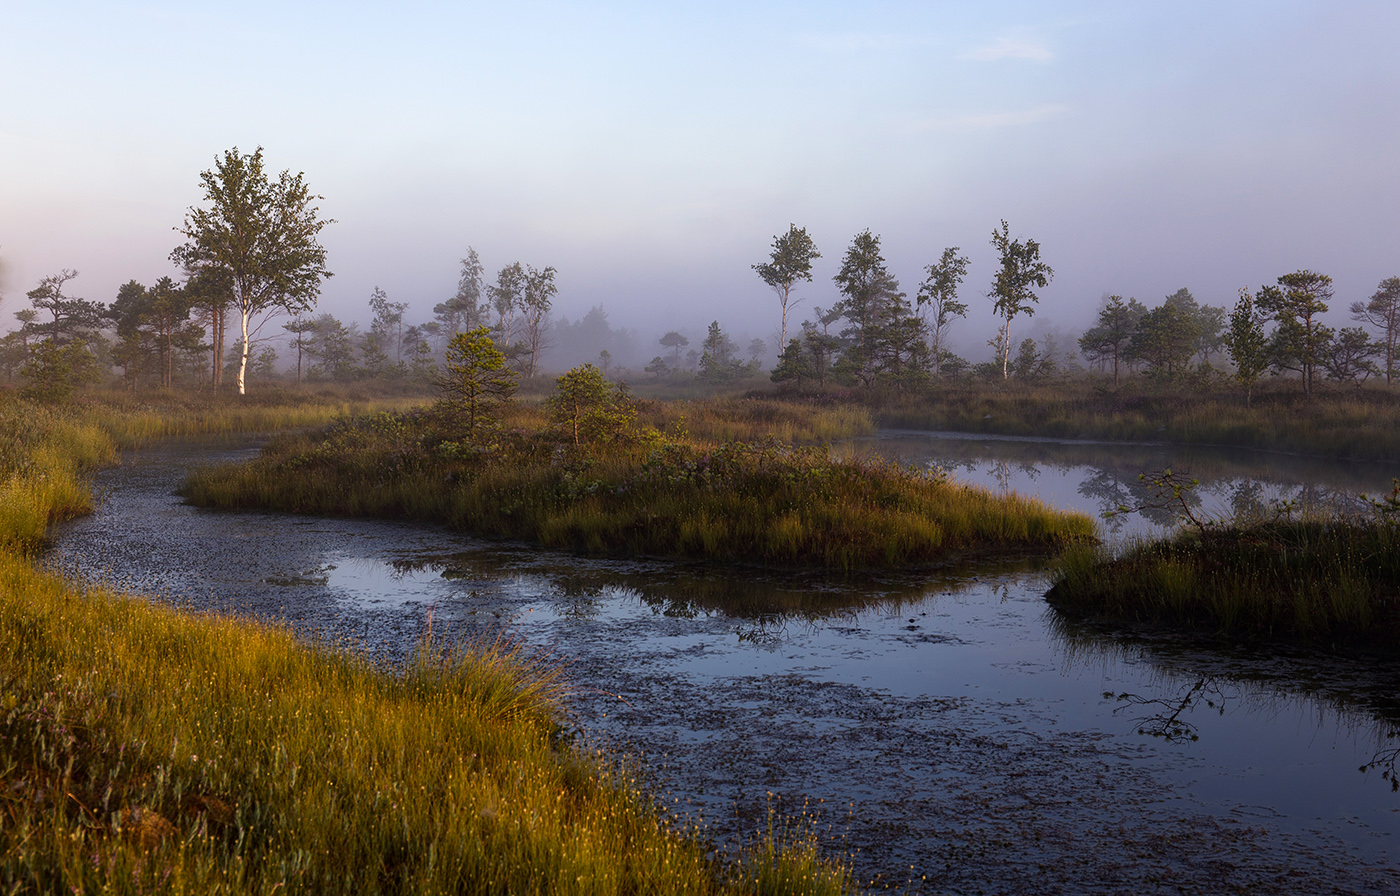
[946,731]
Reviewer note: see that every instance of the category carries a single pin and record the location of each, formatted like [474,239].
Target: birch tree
[263,235]
[791,261]
[1013,290]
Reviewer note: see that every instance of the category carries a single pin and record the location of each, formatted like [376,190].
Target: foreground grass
[673,495]
[145,750]
[1330,582]
[1359,424]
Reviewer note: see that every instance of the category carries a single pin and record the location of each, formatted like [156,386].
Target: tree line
[253,251]
[875,336]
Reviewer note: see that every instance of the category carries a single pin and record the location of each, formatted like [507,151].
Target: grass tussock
[663,495]
[143,750]
[1323,581]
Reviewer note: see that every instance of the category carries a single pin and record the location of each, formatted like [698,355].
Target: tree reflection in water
[1101,478]
[1168,718]
[1195,673]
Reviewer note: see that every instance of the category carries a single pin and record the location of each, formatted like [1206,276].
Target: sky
[651,152]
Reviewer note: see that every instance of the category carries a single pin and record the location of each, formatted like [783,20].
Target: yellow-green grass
[1323,581]
[795,421]
[46,452]
[135,420]
[43,455]
[1360,424]
[760,502]
[146,750]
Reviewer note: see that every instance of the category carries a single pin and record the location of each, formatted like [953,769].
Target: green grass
[678,496]
[1330,582]
[809,422]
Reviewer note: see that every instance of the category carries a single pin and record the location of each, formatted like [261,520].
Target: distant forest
[875,336]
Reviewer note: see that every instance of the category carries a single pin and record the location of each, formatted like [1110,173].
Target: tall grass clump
[145,750]
[1332,581]
[640,493]
[44,454]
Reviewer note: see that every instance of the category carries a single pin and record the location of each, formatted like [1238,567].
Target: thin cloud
[859,41]
[985,121]
[1010,48]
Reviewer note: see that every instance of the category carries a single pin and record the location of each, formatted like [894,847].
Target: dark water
[946,731]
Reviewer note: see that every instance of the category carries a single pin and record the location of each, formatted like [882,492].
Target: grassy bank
[1359,424]
[46,451]
[44,454]
[671,494]
[144,750]
[1327,582]
[164,415]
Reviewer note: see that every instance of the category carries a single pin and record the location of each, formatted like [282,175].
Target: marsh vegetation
[1355,424]
[146,749]
[1329,579]
[600,475]
[915,715]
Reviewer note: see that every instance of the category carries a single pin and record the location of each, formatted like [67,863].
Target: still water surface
[947,730]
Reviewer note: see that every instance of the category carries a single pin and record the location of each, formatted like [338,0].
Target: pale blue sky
[652,154]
